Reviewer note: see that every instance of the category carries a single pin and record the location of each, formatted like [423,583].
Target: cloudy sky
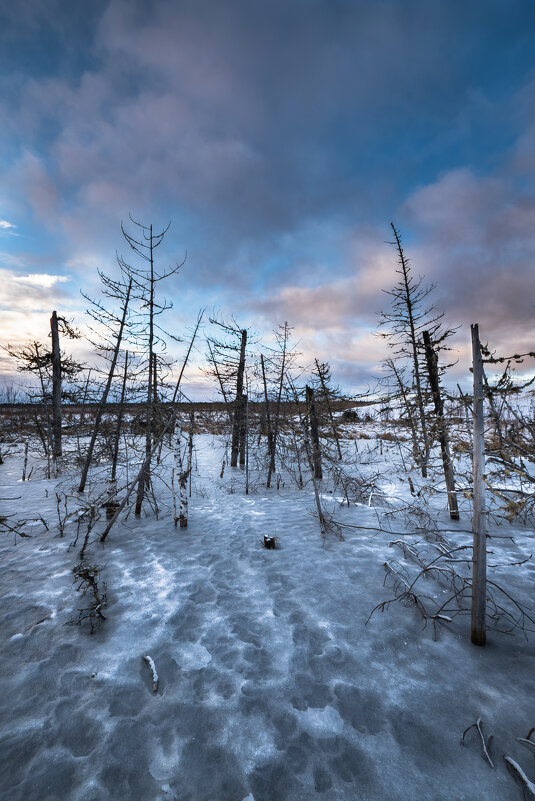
[280,138]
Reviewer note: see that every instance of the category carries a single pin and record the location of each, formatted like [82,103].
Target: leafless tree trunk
[284,339]
[238,404]
[119,421]
[105,393]
[479,524]
[145,476]
[244,411]
[329,410]
[432,367]
[408,411]
[313,420]
[271,448]
[56,386]
[408,296]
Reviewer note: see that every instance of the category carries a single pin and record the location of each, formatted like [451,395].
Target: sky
[280,139]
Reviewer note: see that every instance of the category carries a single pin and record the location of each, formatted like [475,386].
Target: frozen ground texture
[271,687]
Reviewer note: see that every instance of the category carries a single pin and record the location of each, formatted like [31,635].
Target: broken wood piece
[150,662]
[485,744]
[528,785]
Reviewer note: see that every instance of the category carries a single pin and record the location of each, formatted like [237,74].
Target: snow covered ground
[271,686]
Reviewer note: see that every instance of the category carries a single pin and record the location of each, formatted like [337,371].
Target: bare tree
[404,323]
[145,280]
[479,524]
[114,326]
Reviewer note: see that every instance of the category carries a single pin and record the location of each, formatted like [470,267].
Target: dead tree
[100,315]
[145,281]
[479,523]
[432,367]
[56,387]
[168,427]
[323,373]
[118,425]
[237,423]
[313,422]
[405,321]
[271,441]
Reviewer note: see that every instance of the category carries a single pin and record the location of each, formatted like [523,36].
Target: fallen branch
[528,785]
[485,745]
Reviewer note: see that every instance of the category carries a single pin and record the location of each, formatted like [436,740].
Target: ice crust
[271,687]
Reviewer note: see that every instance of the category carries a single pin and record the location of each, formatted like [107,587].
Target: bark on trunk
[432,367]
[145,475]
[238,403]
[56,386]
[329,410]
[271,447]
[105,393]
[313,420]
[479,524]
[119,421]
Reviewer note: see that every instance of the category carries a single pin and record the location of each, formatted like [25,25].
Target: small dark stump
[272,543]
[110,507]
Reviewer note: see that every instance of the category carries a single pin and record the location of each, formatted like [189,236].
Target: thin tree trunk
[167,427]
[271,447]
[246,445]
[466,415]
[243,428]
[105,393]
[414,349]
[479,524]
[84,398]
[56,386]
[402,389]
[220,380]
[190,448]
[326,396]
[281,384]
[48,451]
[432,367]
[145,476]
[119,421]
[316,451]
[238,403]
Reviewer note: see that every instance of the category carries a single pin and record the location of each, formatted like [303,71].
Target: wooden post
[316,451]
[432,367]
[479,522]
[56,386]
[238,403]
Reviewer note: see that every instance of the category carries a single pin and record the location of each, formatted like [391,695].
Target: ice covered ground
[271,686]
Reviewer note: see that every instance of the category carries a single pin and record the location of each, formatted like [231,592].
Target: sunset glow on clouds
[280,139]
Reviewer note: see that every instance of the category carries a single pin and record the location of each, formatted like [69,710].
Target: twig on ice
[527,740]
[150,662]
[485,745]
[528,785]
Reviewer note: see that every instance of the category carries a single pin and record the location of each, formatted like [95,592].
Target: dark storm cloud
[281,138]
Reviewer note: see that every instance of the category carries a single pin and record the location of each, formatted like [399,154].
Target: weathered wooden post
[316,451]
[432,367]
[56,387]
[479,522]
